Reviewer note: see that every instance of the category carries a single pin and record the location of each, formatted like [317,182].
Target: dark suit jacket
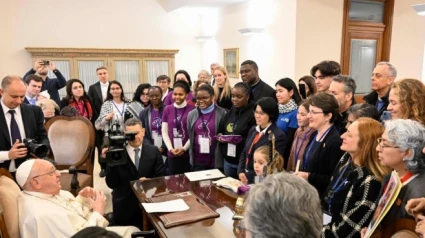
[96,100]
[125,203]
[280,143]
[372,98]
[51,85]
[33,120]
[323,160]
[262,90]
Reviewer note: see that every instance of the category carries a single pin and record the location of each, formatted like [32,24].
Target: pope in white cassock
[47,211]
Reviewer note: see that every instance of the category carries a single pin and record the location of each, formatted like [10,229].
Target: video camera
[116,154]
[34,149]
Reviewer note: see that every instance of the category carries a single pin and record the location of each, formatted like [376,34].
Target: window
[130,67]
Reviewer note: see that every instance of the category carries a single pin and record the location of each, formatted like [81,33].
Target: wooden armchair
[9,192]
[72,143]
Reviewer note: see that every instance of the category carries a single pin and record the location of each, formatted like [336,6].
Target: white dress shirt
[104,88]
[132,154]
[4,155]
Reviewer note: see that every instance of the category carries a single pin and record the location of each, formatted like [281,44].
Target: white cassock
[45,215]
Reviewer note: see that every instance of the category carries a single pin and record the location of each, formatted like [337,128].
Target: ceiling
[170,5]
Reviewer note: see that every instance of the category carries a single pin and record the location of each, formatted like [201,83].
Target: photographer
[142,161]
[18,121]
[52,85]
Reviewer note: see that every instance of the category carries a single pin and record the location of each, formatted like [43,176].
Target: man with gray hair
[383,77]
[213,66]
[283,206]
[343,88]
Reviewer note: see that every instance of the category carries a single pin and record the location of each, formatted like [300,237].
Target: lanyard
[156,116]
[122,111]
[337,186]
[177,118]
[204,124]
[307,155]
[298,149]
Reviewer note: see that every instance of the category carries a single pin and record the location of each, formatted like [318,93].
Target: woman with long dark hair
[140,100]
[77,98]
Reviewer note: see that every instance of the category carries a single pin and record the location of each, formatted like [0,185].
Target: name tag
[231,150]
[178,143]
[204,143]
[326,219]
[157,139]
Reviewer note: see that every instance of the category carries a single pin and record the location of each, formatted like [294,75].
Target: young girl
[262,158]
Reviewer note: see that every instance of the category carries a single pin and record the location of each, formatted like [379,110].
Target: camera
[45,62]
[117,154]
[34,149]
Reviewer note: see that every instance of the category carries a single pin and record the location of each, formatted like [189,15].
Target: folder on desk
[198,210]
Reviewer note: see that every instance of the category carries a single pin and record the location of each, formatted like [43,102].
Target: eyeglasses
[48,173]
[144,95]
[261,113]
[313,112]
[382,146]
[203,99]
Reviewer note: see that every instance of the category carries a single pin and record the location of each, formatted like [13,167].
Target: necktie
[379,104]
[14,129]
[32,101]
[137,157]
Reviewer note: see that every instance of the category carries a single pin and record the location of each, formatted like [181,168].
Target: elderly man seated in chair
[47,211]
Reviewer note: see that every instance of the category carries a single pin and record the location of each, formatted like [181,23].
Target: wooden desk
[220,200]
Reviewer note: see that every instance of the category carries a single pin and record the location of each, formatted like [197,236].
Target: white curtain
[87,72]
[155,68]
[63,67]
[127,73]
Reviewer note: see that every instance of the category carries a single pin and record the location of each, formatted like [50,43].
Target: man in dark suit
[17,122]
[52,85]
[34,84]
[143,161]
[259,89]
[97,94]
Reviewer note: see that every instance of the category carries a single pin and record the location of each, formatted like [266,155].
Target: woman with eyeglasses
[236,123]
[151,118]
[354,188]
[113,109]
[175,134]
[180,75]
[202,125]
[140,100]
[400,148]
[323,150]
[266,113]
[361,110]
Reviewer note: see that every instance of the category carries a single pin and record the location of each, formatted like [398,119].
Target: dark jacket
[145,117]
[125,204]
[244,119]
[355,200]
[95,95]
[51,85]
[226,102]
[33,120]
[372,98]
[262,90]
[322,160]
[280,143]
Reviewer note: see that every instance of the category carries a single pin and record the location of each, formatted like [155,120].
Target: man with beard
[259,89]
[52,85]
[342,88]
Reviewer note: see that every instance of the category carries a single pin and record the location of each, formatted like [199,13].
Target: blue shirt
[287,120]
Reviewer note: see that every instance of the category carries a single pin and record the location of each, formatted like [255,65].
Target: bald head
[9,80]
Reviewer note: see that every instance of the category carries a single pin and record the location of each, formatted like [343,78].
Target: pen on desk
[199,200]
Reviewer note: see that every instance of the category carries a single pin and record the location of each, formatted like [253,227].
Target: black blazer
[263,90]
[52,85]
[372,98]
[323,160]
[33,120]
[124,202]
[280,143]
[96,100]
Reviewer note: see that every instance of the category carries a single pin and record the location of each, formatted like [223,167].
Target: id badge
[204,143]
[231,150]
[157,139]
[326,218]
[176,133]
[178,143]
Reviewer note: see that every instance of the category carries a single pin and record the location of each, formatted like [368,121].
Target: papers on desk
[204,175]
[169,206]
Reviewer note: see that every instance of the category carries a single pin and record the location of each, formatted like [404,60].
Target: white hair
[392,71]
